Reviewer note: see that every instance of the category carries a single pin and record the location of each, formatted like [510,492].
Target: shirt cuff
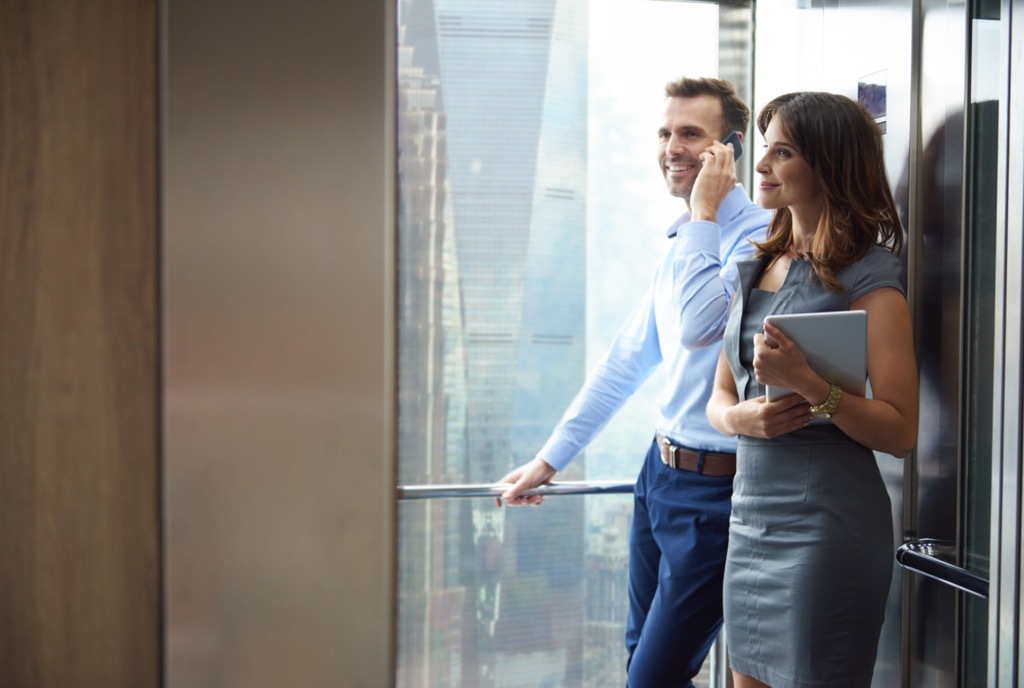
[557,455]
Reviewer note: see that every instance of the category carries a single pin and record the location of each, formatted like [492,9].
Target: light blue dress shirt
[679,322]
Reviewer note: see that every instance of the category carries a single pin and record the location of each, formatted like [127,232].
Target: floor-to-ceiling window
[531,212]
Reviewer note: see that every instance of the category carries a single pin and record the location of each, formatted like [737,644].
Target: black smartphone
[737,147]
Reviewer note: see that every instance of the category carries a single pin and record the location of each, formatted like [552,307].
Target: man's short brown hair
[735,113]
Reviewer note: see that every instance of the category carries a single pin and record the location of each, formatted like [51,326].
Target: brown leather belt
[704,462]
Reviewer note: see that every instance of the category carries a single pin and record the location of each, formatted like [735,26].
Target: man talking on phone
[681,498]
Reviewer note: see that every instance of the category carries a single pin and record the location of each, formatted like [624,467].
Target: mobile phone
[737,147]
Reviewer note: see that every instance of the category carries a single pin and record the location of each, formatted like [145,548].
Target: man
[681,506]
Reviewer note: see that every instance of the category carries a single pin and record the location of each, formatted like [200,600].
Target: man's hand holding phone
[716,178]
[735,139]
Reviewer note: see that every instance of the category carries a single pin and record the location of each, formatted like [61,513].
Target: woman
[811,539]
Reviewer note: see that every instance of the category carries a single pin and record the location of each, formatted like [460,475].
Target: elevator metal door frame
[959,150]
[1006,649]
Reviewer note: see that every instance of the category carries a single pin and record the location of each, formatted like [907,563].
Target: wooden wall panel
[79,374]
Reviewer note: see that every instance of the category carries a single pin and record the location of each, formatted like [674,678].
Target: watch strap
[826,408]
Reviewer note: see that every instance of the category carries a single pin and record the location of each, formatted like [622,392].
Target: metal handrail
[930,557]
[568,487]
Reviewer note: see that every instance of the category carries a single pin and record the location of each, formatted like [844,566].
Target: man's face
[689,126]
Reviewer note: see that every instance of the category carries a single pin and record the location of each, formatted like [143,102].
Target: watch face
[821,414]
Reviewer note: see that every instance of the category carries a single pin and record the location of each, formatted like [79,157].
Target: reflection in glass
[979,320]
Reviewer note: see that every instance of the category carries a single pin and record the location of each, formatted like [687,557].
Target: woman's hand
[779,362]
[767,419]
[753,417]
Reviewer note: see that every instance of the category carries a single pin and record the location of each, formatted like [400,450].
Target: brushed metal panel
[736,64]
[278,347]
[937,241]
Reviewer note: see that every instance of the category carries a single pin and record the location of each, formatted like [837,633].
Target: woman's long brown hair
[840,141]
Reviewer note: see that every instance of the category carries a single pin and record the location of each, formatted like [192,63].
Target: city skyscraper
[492,151]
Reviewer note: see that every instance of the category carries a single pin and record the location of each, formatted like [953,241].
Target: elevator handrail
[567,487]
[927,557]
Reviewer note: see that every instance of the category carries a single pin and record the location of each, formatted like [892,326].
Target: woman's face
[786,178]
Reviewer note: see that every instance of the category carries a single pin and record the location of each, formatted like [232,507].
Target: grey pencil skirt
[809,562]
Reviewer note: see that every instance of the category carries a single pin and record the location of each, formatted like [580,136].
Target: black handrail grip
[924,556]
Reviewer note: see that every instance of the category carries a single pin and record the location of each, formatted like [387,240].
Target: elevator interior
[945,71]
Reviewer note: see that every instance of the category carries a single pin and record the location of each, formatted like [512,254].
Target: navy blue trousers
[676,562]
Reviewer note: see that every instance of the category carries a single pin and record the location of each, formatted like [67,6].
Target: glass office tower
[492,139]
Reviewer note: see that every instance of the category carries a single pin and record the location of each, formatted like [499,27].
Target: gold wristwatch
[828,407]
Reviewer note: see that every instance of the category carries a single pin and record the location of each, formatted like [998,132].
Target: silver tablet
[835,344]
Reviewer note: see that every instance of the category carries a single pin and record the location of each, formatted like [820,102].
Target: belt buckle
[671,453]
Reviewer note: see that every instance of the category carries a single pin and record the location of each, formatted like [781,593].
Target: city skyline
[531,211]
[509,87]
